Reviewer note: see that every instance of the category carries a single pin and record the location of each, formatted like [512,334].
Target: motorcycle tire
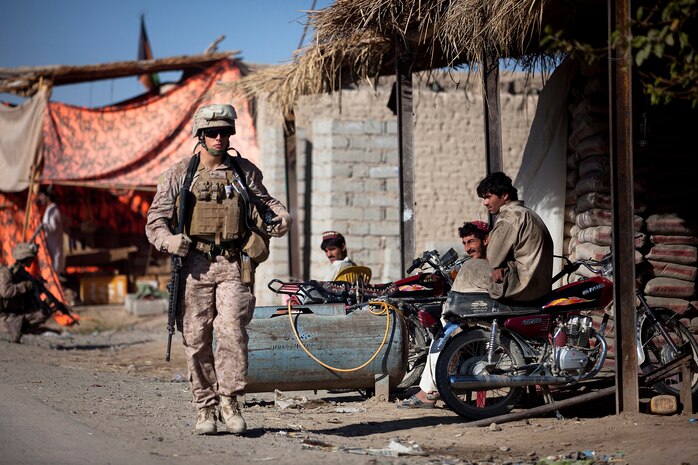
[465,354]
[419,340]
[657,353]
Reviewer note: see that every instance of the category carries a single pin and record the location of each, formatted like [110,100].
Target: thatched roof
[24,81]
[356,40]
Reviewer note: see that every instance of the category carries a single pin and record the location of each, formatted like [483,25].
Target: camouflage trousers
[216,302]
[19,323]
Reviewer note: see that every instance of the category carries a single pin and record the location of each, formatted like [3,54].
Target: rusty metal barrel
[336,338]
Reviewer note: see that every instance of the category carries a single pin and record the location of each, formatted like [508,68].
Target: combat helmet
[214,116]
[24,251]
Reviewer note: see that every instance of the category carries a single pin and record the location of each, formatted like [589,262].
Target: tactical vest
[217,210]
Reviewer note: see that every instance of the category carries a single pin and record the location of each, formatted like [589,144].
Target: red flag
[150,81]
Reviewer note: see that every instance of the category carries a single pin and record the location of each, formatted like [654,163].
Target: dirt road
[105,395]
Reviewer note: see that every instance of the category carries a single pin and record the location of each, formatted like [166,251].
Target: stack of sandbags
[587,165]
[591,215]
[673,260]
[588,129]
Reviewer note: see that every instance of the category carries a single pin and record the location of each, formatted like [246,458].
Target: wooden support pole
[292,195]
[686,395]
[30,197]
[492,112]
[307,210]
[621,153]
[406,155]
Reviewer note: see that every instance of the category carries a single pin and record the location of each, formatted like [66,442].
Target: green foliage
[663,41]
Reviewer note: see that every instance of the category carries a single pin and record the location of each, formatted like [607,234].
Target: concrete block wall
[351,141]
[353,165]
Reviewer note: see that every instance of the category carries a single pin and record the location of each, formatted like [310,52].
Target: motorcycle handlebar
[425,258]
[595,266]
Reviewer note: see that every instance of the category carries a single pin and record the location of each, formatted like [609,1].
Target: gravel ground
[102,393]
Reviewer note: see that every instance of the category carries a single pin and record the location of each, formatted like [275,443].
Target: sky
[89,32]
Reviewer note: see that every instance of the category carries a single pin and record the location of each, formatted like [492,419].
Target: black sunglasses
[214,132]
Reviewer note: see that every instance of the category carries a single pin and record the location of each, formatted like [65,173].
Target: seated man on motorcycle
[519,262]
[474,235]
[335,247]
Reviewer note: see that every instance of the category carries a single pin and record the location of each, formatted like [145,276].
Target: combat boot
[206,420]
[231,416]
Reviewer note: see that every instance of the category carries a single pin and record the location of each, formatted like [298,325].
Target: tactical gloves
[280,224]
[177,245]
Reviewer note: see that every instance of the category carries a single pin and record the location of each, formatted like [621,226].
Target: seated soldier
[18,311]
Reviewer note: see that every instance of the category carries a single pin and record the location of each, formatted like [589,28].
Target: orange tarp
[11,221]
[121,149]
[132,144]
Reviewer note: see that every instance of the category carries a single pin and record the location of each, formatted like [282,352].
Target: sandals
[415,402]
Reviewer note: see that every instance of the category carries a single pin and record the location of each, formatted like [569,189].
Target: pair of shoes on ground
[207,418]
[415,402]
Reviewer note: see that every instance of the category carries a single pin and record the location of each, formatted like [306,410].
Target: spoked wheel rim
[418,346]
[658,353]
[466,354]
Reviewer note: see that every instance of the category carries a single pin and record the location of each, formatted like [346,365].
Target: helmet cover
[214,116]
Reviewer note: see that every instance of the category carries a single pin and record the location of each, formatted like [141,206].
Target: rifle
[42,297]
[174,287]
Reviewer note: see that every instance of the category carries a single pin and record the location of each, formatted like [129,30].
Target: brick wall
[349,143]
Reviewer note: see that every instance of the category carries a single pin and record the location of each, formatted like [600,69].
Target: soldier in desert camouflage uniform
[19,313]
[220,245]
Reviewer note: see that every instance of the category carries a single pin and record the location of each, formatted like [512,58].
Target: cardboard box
[100,290]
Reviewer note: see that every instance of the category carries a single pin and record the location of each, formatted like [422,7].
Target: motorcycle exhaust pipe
[485,382]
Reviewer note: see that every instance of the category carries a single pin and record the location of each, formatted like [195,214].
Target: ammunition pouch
[247,269]
[256,247]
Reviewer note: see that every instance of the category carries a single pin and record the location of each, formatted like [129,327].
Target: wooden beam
[102,256]
[537,412]
[623,207]
[24,80]
[405,129]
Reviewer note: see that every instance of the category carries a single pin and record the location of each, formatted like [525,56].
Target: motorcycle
[492,351]
[418,298]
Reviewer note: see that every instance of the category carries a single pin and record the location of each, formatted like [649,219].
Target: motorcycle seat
[379,290]
[480,304]
[323,292]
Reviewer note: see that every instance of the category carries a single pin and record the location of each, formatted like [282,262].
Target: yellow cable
[386,309]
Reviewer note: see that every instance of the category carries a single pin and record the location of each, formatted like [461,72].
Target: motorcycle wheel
[465,354]
[657,353]
[418,340]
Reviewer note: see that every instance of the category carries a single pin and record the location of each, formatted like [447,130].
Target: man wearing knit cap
[475,237]
[335,248]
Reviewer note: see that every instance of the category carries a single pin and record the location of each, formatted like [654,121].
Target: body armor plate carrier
[218,208]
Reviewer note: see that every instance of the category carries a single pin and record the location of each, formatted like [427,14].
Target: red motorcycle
[418,298]
[491,351]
